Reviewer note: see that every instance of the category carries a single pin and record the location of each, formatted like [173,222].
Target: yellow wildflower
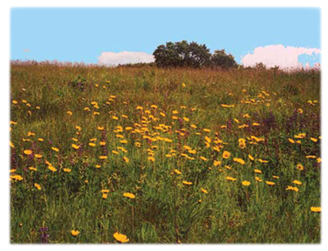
[263,161]
[316,209]
[177,171]
[246,183]
[226,155]
[55,149]
[230,178]
[291,140]
[297,182]
[242,143]
[203,158]
[258,179]
[75,233]
[30,134]
[76,147]
[16,177]
[204,190]
[37,186]
[239,160]
[250,157]
[227,106]
[38,156]
[299,166]
[28,152]
[52,168]
[208,139]
[120,237]
[129,195]
[216,163]
[292,188]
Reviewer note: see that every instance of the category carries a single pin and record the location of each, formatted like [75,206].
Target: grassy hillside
[164,156]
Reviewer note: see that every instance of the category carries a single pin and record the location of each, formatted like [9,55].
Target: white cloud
[124,57]
[279,55]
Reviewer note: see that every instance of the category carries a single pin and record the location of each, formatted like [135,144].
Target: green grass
[164,209]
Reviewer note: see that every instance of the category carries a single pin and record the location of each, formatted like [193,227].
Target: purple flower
[44,235]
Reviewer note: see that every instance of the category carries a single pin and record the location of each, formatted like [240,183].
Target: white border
[4,85]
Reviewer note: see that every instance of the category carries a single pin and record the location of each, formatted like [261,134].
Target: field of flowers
[147,155]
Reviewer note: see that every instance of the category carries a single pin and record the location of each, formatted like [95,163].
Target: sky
[287,37]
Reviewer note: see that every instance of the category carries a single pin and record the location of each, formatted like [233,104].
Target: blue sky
[82,34]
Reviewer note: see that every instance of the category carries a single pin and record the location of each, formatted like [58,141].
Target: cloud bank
[124,57]
[278,55]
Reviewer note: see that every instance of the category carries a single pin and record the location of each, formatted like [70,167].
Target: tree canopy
[221,59]
[184,54]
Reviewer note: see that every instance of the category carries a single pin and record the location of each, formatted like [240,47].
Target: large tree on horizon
[184,54]
[181,54]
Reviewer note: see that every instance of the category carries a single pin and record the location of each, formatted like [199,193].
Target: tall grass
[53,99]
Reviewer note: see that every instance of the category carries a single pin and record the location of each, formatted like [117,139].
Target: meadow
[150,155]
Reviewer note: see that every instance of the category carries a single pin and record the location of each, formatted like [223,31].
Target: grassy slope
[164,209]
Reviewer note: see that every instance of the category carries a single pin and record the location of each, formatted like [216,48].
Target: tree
[181,54]
[166,56]
[223,60]
[199,55]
